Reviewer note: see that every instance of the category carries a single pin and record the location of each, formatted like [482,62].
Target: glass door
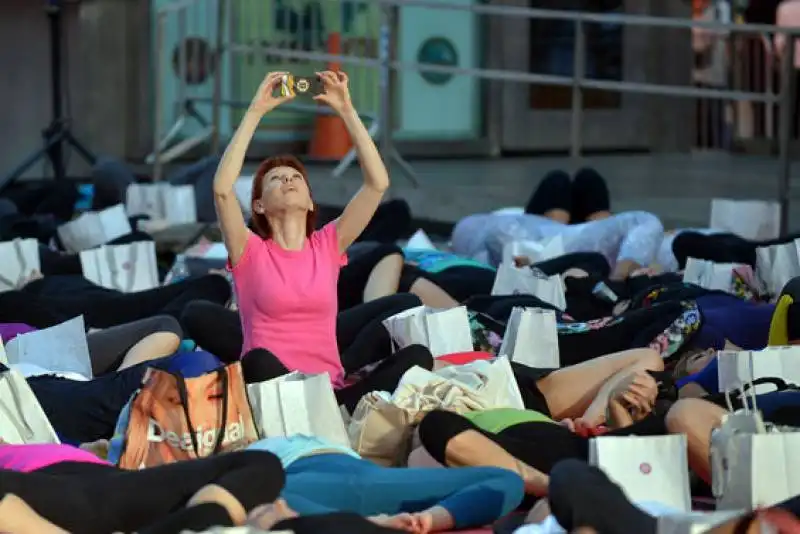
[538,117]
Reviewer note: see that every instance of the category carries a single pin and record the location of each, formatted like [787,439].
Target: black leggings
[93,498]
[721,248]
[540,445]
[461,283]
[260,365]
[360,334]
[353,277]
[108,347]
[52,300]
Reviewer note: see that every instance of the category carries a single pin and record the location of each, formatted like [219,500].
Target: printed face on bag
[206,437]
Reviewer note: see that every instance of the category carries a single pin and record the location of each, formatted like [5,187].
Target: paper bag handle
[183,395]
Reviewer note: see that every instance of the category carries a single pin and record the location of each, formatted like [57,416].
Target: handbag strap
[183,394]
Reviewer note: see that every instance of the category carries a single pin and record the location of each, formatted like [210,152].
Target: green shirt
[499,419]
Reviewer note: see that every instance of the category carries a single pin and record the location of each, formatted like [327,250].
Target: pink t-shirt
[27,458]
[288,301]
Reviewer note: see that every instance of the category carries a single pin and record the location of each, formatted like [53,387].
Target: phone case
[291,86]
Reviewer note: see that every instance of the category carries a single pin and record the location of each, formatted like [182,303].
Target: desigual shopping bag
[127,268]
[511,280]
[442,331]
[172,418]
[653,468]
[20,260]
[297,404]
[94,228]
[22,419]
[173,203]
[757,220]
[531,338]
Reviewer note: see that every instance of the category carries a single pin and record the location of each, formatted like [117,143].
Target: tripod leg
[80,148]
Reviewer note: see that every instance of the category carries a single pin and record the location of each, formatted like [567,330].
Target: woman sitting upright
[285,274]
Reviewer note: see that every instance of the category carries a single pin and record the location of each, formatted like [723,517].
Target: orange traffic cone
[330,140]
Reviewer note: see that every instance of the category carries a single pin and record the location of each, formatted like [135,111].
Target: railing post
[787,120]
[217,60]
[159,94]
[578,73]
[385,79]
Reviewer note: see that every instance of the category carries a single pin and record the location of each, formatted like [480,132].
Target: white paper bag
[710,275]
[695,522]
[531,338]
[126,268]
[94,228]
[753,468]
[536,251]
[512,280]
[737,369]
[173,203]
[442,331]
[20,258]
[493,380]
[756,220]
[297,404]
[420,241]
[59,349]
[646,468]
[777,264]
[22,419]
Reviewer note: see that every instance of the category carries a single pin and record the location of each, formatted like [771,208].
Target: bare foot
[404,522]
[265,516]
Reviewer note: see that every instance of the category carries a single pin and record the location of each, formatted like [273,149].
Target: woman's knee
[688,416]
[438,428]
[213,287]
[418,355]
[166,324]
[253,477]
[404,301]
[260,365]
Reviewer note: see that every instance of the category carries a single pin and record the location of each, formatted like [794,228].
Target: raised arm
[362,206]
[229,212]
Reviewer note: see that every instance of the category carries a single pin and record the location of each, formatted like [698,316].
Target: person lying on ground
[322,477]
[55,488]
[285,273]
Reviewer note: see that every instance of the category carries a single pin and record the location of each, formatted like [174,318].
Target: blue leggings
[474,496]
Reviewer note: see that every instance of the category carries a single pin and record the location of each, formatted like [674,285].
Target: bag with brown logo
[172,418]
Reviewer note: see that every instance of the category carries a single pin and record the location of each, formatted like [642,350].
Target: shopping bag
[711,275]
[94,228]
[20,259]
[60,349]
[777,264]
[511,280]
[751,467]
[695,522]
[756,220]
[22,419]
[531,338]
[420,241]
[297,404]
[646,468]
[739,369]
[442,331]
[127,268]
[172,418]
[493,381]
[173,203]
[535,251]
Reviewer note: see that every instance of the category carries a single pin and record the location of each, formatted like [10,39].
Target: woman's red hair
[259,220]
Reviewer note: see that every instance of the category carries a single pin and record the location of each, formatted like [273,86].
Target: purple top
[9,331]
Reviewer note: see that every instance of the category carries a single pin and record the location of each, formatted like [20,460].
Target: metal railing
[232,41]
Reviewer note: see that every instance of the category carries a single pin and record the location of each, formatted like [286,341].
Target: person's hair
[259,222]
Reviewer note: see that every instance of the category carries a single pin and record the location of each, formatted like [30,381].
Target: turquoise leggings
[474,496]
